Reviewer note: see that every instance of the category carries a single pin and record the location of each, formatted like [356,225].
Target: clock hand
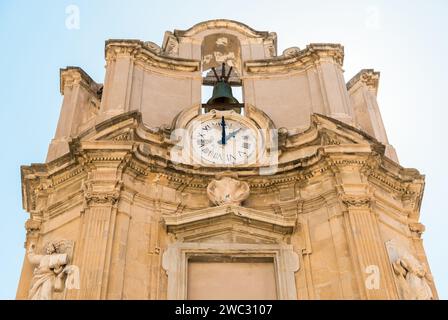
[232,134]
[223,132]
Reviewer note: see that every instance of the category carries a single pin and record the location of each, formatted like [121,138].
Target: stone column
[368,248]
[366,245]
[99,222]
[120,246]
[98,225]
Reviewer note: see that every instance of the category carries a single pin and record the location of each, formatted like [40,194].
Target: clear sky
[405,40]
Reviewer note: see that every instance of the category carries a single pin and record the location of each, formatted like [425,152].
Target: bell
[222,94]
[222,91]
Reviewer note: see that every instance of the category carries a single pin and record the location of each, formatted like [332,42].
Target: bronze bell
[222,91]
[222,94]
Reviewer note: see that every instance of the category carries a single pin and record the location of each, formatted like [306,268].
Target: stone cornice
[223,24]
[148,54]
[71,76]
[297,59]
[192,219]
[146,150]
[368,77]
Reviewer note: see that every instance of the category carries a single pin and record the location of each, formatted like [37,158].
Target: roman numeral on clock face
[228,145]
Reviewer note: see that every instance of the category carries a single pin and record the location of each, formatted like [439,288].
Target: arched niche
[219,48]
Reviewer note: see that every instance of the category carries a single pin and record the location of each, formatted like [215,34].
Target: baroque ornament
[227,191]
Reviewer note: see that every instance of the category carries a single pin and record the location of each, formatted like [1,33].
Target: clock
[224,140]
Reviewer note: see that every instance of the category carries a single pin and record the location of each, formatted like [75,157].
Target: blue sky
[406,41]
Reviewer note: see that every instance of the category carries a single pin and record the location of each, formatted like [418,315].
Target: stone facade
[136,219]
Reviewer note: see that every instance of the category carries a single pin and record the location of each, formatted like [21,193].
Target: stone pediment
[230,223]
[324,137]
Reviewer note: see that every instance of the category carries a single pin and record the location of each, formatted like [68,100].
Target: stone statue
[53,271]
[226,190]
[412,276]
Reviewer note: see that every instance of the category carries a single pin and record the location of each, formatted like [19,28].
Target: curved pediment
[221,24]
[230,223]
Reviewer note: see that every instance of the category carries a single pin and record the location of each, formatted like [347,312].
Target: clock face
[223,141]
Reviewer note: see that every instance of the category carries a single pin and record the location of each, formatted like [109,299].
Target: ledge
[369,77]
[75,75]
[194,219]
[294,58]
[148,53]
[223,23]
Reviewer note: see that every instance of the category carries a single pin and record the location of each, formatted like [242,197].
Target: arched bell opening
[221,75]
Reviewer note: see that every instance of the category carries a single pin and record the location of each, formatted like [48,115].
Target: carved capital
[125,49]
[99,197]
[32,226]
[32,231]
[356,202]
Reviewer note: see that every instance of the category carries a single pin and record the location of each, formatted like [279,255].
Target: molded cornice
[204,217]
[325,146]
[368,77]
[225,24]
[295,59]
[70,76]
[148,54]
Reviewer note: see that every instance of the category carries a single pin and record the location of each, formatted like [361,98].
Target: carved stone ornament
[227,191]
[110,197]
[356,202]
[411,276]
[53,271]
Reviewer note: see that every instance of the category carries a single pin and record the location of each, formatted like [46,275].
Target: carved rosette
[228,191]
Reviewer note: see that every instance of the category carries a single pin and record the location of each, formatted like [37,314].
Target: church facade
[294,192]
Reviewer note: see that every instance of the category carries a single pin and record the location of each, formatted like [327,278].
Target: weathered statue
[412,276]
[53,271]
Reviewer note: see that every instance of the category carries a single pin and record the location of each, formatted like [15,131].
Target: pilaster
[102,194]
